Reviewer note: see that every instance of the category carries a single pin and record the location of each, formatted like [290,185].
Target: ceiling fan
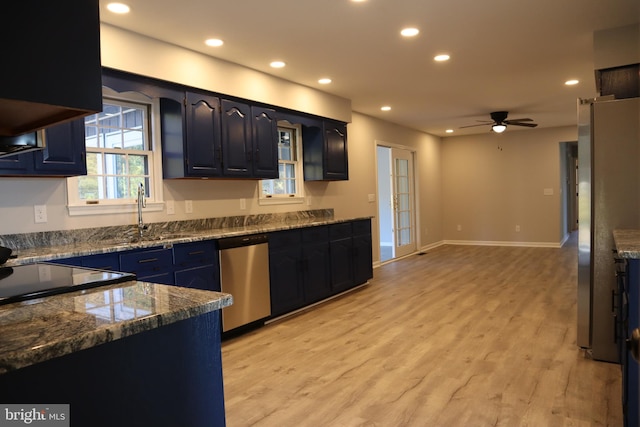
[499,122]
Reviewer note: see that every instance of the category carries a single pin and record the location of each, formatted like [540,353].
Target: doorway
[396,202]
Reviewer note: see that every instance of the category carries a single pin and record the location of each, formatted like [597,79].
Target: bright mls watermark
[37,415]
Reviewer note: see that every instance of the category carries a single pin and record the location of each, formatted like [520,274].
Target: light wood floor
[461,336]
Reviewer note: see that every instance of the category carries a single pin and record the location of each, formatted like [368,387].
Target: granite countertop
[118,242]
[37,330]
[627,243]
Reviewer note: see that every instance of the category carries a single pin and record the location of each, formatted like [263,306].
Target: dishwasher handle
[240,241]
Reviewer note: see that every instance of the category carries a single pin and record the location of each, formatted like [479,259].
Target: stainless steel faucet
[142,203]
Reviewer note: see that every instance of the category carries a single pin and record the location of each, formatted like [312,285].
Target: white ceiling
[512,55]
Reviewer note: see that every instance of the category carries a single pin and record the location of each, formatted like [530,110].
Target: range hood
[12,145]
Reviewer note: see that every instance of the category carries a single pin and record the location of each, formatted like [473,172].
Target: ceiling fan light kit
[498,128]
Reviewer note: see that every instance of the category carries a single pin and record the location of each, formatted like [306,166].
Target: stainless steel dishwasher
[244,273]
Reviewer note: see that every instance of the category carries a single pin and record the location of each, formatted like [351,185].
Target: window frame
[285,199]
[154,200]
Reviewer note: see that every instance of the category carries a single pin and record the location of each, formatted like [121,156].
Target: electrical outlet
[459,227]
[188,206]
[517,228]
[243,204]
[171,207]
[40,213]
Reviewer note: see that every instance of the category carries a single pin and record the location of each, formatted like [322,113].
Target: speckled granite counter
[41,329]
[627,243]
[67,244]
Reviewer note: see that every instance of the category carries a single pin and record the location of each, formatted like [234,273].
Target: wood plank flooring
[460,336]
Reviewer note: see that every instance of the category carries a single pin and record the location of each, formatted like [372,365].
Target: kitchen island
[127,354]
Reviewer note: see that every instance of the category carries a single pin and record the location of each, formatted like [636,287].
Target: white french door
[402,199]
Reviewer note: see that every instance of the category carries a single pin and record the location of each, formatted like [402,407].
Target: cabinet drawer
[194,253]
[361,227]
[283,239]
[315,234]
[340,231]
[151,260]
[102,261]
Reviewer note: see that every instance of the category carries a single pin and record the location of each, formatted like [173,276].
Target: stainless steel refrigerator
[608,199]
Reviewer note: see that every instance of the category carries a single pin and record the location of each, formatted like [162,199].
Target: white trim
[274,200]
[499,243]
[111,208]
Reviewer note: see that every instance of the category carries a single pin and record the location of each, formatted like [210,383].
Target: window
[288,188]
[120,156]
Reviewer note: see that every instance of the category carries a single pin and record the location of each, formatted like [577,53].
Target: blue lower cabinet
[204,277]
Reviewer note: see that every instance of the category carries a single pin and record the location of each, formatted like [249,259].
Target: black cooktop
[38,280]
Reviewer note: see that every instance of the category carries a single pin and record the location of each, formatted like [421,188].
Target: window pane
[89,188]
[91,135]
[94,163]
[117,187]
[289,171]
[116,164]
[138,165]
[133,139]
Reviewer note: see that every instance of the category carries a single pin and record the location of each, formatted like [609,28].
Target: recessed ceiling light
[410,32]
[214,42]
[385,108]
[443,57]
[277,64]
[118,8]
[358,1]
[571,82]
[449,131]
[324,81]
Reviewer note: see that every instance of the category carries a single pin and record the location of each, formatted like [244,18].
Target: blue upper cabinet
[63,155]
[190,132]
[249,140]
[265,143]
[237,149]
[203,154]
[64,152]
[210,137]
[325,151]
[51,58]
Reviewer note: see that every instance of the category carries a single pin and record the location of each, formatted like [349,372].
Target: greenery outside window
[288,188]
[119,158]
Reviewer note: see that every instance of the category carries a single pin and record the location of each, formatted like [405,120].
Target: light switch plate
[171,207]
[188,206]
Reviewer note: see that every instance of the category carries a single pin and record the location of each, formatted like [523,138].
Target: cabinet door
[336,155]
[236,139]
[286,280]
[341,264]
[203,154]
[265,143]
[317,281]
[64,153]
[362,259]
[203,277]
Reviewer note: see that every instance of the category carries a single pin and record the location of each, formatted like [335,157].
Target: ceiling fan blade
[518,120]
[529,125]
[481,124]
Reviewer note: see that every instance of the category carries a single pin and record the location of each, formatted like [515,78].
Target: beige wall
[491,183]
